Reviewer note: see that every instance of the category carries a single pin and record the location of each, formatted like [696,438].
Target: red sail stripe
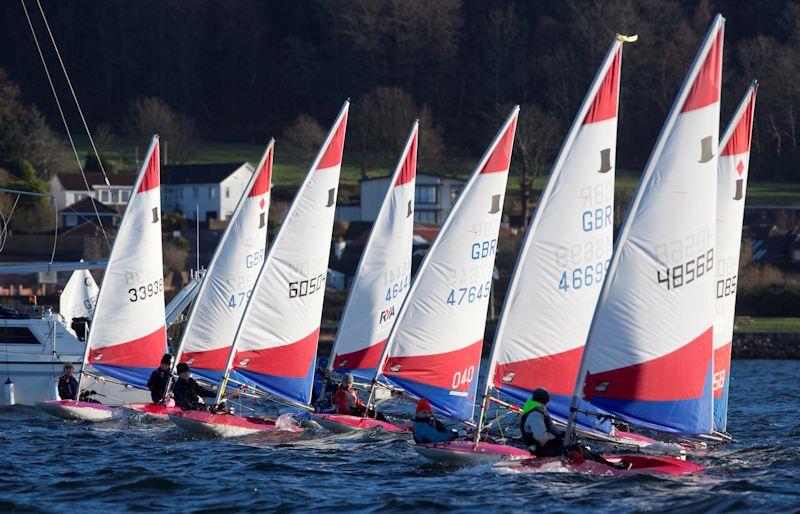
[705,90]
[139,353]
[500,160]
[604,105]
[722,361]
[439,370]
[262,182]
[409,169]
[208,359]
[333,154]
[556,372]
[152,173]
[740,139]
[365,358]
[678,375]
[290,360]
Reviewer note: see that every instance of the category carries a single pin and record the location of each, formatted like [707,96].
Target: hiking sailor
[428,430]
[187,392]
[67,385]
[159,379]
[537,428]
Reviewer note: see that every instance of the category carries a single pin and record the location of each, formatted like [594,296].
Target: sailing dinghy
[78,298]
[648,356]
[561,266]
[218,307]
[378,290]
[734,162]
[434,347]
[128,334]
[275,345]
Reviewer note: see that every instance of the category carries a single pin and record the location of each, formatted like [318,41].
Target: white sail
[434,348]
[564,257]
[734,163]
[648,354]
[128,332]
[79,296]
[383,275]
[276,344]
[228,282]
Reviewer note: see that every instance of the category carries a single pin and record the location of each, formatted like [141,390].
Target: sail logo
[155,215]
[739,182]
[386,315]
[605,160]
[331,197]
[262,222]
[244,362]
[706,150]
[396,368]
[98,357]
[495,208]
[410,209]
[508,378]
[190,362]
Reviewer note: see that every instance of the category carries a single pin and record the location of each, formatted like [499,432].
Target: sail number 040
[463,377]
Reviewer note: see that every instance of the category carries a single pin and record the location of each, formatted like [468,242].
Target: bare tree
[149,115]
[304,135]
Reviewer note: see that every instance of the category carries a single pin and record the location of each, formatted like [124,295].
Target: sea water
[47,464]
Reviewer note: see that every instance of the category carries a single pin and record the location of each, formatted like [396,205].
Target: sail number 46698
[684,274]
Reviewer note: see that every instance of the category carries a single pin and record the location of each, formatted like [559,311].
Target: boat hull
[469,452]
[150,410]
[342,424]
[82,411]
[640,465]
[225,425]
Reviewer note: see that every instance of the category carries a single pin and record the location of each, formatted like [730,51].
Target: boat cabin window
[17,335]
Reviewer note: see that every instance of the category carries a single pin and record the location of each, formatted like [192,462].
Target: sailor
[346,398]
[537,428]
[67,385]
[323,388]
[428,430]
[187,392]
[159,379]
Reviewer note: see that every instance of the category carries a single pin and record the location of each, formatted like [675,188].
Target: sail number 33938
[146,291]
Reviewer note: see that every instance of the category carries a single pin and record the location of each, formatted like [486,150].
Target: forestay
[79,296]
[564,257]
[648,353]
[734,162]
[383,275]
[434,348]
[276,344]
[228,283]
[128,333]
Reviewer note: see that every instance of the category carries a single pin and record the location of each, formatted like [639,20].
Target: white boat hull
[78,411]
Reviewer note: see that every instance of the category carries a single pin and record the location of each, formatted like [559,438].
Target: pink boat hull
[469,452]
[641,465]
[70,409]
[153,410]
[341,423]
[227,425]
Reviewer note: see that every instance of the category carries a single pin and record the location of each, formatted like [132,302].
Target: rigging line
[72,90]
[55,230]
[64,119]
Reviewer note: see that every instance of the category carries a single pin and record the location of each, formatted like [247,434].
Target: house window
[71,220]
[425,195]
[104,195]
[115,196]
[80,196]
[423,215]
[227,192]
[211,193]
[125,195]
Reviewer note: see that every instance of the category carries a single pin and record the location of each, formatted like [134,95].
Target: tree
[149,115]
[304,135]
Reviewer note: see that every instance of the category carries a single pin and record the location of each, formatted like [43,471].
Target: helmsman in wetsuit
[67,385]
[537,428]
[187,392]
[428,430]
[346,398]
[159,379]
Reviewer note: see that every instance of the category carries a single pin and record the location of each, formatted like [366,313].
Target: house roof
[199,173]
[85,207]
[74,181]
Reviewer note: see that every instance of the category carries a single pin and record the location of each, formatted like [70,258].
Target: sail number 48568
[683,274]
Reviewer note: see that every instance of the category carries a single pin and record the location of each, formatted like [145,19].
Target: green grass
[745,324]
[290,168]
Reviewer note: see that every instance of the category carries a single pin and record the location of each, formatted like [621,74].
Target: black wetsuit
[67,387]
[553,447]
[158,384]
[187,393]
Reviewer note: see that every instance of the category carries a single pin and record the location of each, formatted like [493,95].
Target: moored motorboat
[74,410]
[229,425]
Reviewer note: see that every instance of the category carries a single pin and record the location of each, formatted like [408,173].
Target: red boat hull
[469,452]
[227,425]
[153,410]
[640,465]
[341,423]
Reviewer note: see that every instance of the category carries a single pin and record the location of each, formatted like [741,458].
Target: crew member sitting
[187,392]
[67,385]
[346,398]
[537,428]
[428,430]
[159,379]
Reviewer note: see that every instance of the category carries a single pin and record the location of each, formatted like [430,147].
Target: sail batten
[732,172]
[434,347]
[383,276]
[655,310]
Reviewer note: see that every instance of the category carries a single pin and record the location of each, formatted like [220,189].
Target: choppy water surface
[52,465]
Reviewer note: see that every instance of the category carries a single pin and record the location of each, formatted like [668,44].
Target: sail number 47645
[469,294]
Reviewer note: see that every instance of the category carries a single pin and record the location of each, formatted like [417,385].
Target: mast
[710,39]
[577,125]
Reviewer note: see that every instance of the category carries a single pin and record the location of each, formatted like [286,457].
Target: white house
[214,188]
[69,188]
[433,198]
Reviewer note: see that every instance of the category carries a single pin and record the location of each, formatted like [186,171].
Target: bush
[774,300]
[304,136]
